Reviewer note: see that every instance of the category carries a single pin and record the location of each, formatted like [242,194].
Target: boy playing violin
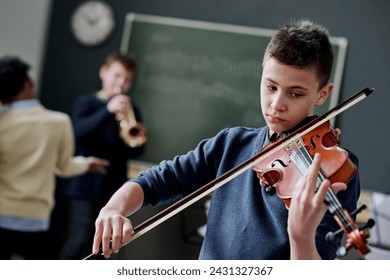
[245,221]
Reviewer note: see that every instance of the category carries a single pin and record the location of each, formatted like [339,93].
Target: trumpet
[132,132]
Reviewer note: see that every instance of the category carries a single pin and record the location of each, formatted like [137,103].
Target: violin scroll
[356,237]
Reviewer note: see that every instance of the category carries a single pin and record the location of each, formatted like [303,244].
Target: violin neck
[303,160]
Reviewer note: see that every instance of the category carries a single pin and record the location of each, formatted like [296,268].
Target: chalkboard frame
[132,19]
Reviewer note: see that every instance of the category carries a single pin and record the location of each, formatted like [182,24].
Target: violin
[283,169]
[303,142]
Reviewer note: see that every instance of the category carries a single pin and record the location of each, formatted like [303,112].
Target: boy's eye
[295,94]
[271,87]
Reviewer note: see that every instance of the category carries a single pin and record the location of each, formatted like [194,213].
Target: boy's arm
[112,222]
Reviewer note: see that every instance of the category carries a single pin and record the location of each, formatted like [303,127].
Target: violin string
[332,200]
[331,197]
[303,163]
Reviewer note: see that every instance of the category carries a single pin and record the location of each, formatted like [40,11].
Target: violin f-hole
[328,140]
[313,143]
[281,162]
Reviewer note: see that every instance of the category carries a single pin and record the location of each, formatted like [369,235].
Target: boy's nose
[278,102]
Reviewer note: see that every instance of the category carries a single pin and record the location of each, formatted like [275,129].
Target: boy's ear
[324,94]
[28,84]
[102,70]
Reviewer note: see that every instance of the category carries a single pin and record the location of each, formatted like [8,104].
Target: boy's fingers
[106,241]
[97,240]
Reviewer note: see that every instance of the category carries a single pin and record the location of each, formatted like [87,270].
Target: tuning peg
[331,236]
[341,251]
[358,210]
[369,224]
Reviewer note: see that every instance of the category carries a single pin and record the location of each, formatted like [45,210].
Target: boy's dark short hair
[127,60]
[13,74]
[304,44]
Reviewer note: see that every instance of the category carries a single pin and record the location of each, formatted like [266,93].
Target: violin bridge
[293,146]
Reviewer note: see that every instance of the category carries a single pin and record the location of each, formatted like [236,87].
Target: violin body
[286,166]
[280,171]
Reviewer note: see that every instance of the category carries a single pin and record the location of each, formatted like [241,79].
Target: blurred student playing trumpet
[104,122]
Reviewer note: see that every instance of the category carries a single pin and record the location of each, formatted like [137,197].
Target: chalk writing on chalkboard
[196,78]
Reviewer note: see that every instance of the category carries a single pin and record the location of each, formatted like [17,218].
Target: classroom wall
[71,69]
[23,29]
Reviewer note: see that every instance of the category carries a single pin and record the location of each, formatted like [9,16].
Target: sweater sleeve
[184,174]
[88,116]
[67,165]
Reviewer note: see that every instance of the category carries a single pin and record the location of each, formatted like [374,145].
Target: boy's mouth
[274,119]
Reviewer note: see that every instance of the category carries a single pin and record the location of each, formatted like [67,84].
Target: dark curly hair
[13,74]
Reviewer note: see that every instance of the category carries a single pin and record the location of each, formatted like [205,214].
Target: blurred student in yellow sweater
[35,145]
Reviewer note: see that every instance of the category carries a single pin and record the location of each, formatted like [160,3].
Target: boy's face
[289,94]
[115,79]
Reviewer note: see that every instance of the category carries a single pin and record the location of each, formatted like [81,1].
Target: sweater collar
[22,104]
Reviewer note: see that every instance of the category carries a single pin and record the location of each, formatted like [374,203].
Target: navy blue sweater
[97,134]
[244,221]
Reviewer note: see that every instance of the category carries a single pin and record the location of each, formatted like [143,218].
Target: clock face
[92,22]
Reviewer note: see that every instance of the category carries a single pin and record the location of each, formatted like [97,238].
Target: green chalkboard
[196,78]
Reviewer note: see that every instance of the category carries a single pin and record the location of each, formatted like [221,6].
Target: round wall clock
[92,22]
